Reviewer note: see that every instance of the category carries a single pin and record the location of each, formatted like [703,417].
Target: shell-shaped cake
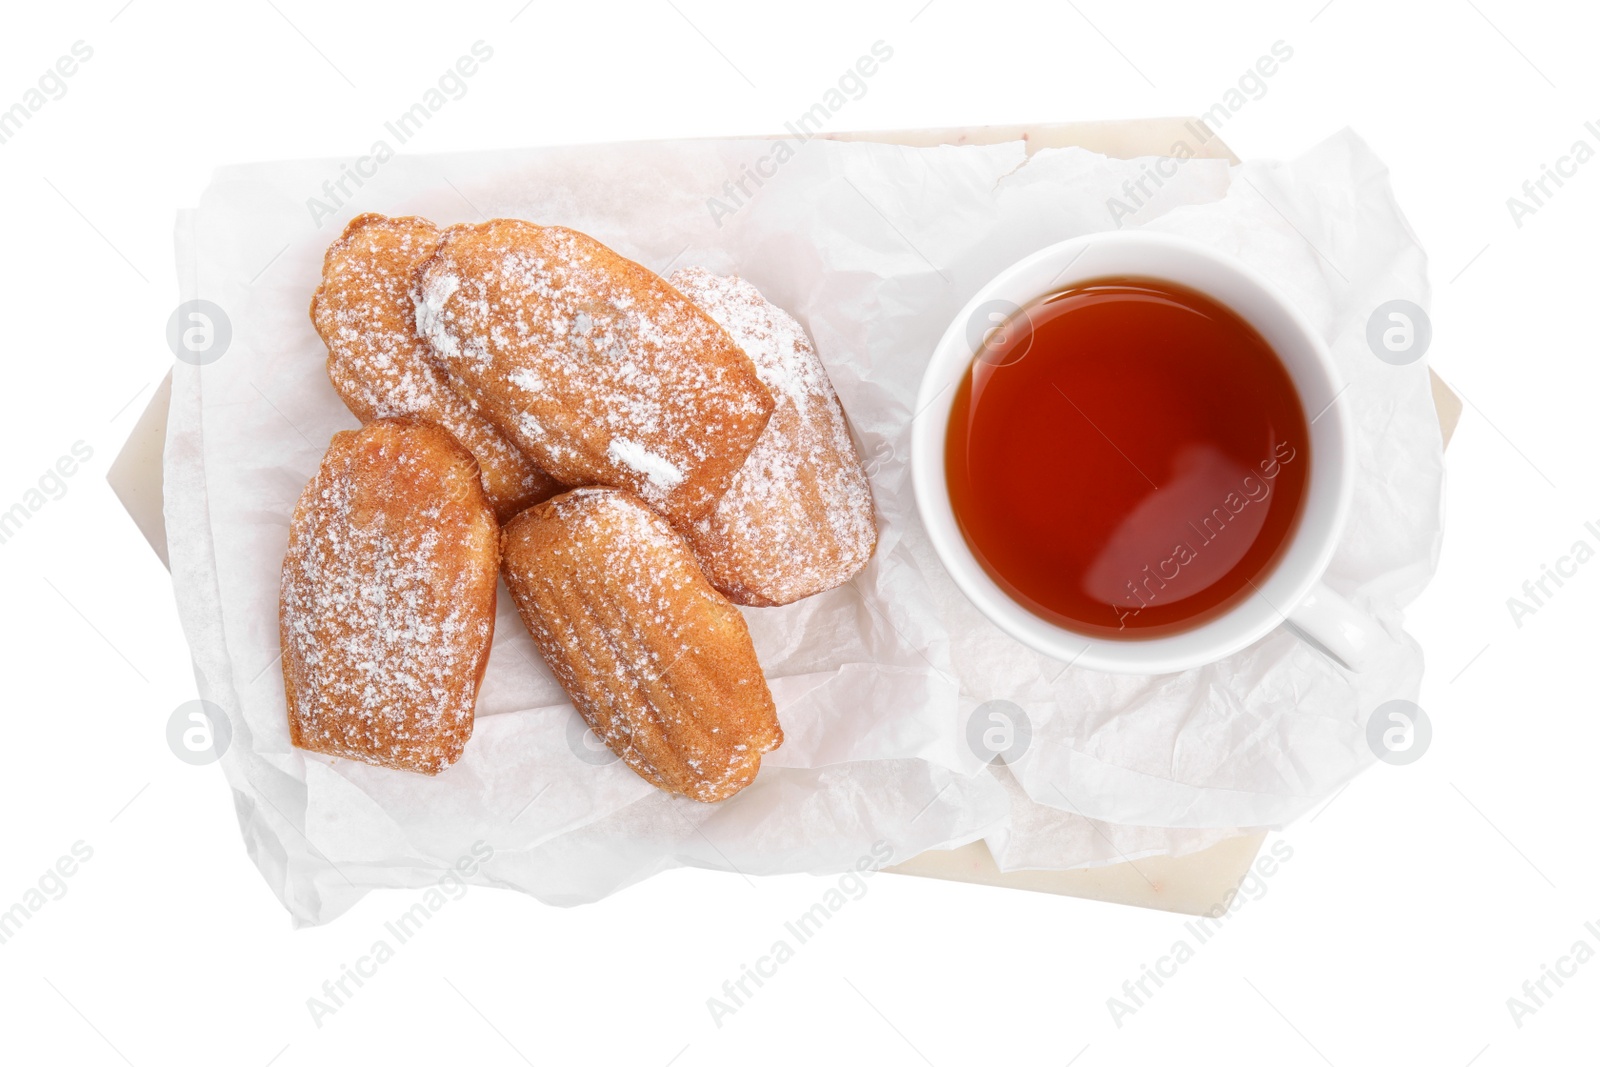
[798,518]
[602,372]
[365,314]
[387,601]
[658,663]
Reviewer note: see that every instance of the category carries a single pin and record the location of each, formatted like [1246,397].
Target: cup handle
[1337,626]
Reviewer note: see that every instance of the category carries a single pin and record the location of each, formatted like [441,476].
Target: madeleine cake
[365,314]
[797,518]
[658,663]
[598,369]
[387,600]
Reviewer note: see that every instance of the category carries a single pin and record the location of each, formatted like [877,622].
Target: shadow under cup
[1127,457]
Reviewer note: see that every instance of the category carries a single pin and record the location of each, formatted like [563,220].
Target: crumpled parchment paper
[874,248]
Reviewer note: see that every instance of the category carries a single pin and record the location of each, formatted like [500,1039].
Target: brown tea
[1127,458]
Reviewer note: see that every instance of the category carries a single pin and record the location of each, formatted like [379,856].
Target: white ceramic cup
[1292,592]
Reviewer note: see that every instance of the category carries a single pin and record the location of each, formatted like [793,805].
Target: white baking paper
[874,248]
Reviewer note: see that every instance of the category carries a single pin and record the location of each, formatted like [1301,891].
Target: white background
[1415,903]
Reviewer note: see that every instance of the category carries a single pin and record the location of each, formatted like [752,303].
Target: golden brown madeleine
[386,609]
[798,517]
[364,312]
[657,662]
[598,369]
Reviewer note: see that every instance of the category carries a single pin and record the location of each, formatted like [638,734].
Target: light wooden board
[1193,884]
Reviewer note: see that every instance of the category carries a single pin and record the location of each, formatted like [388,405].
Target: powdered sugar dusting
[798,516]
[662,472]
[430,313]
